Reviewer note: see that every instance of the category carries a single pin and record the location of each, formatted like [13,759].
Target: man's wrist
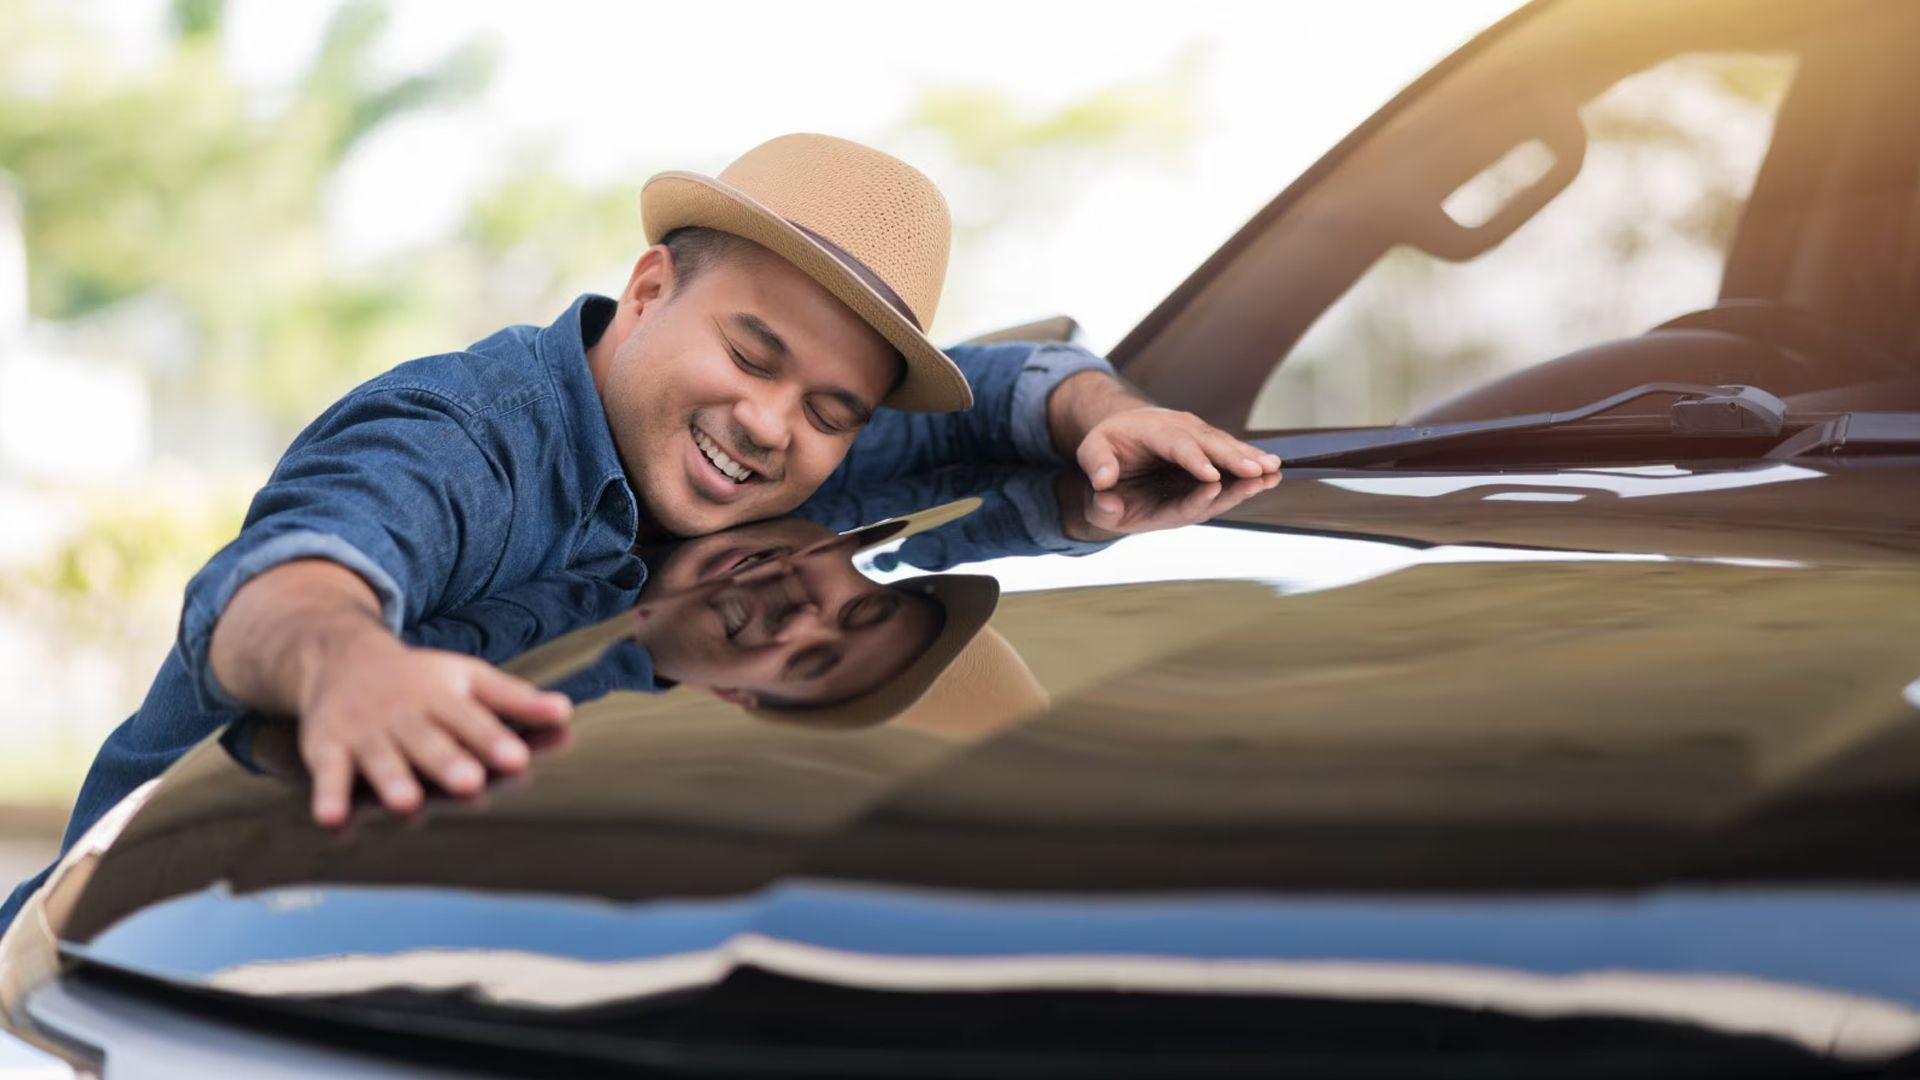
[283,629]
[1081,401]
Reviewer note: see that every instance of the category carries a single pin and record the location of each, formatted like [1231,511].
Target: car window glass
[1637,237]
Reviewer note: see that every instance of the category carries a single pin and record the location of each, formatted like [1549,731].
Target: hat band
[872,280]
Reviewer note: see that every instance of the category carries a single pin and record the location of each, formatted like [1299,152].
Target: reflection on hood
[559,631]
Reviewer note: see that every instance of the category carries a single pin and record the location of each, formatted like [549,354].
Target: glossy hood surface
[1637,741]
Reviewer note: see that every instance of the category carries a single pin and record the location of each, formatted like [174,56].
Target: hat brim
[909,525]
[673,200]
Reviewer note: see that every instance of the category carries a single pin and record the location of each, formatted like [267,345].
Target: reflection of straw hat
[986,688]
[966,601]
[868,227]
[906,525]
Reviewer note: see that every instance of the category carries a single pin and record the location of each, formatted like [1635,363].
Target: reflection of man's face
[785,619]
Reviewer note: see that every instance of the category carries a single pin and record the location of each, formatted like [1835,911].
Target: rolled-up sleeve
[1007,424]
[390,484]
[1043,370]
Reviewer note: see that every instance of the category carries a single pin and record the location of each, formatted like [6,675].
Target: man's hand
[305,639]
[1114,433]
[384,710]
[1145,504]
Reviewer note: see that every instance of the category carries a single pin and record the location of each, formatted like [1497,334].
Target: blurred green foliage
[982,127]
[177,180]
[129,549]
[174,179]
[1019,166]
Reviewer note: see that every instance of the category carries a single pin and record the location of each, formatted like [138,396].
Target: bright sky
[616,90]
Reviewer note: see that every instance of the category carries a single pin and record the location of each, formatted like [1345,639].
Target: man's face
[784,618]
[733,398]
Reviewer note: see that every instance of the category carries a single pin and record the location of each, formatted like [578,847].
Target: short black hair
[696,247]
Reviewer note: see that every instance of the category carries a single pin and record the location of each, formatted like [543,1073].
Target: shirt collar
[562,348]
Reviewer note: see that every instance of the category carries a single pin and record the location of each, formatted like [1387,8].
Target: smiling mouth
[718,458]
[734,614]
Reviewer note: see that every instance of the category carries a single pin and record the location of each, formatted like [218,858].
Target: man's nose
[801,623]
[764,421]
[793,613]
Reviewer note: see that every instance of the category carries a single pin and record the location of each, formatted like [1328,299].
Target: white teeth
[734,471]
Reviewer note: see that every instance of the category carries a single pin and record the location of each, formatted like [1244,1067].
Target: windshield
[1638,237]
[1602,195]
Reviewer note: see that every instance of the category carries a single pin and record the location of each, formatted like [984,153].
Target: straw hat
[869,227]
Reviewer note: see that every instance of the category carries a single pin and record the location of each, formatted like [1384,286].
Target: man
[772,616]
[780,305]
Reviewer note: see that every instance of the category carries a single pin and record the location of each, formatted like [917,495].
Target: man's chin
[696,517]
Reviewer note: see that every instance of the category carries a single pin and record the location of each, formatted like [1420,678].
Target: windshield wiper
[1853,430]
[1708,411]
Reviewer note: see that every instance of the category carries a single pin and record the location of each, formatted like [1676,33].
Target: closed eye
[740,360]
[827,424]
[812,663]
[870,610]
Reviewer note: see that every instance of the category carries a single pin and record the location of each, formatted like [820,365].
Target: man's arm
[1042,405]
[287,624]
[306,639]
[1112,431]
[386,508]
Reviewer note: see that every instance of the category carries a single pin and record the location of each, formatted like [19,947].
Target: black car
[1568,725]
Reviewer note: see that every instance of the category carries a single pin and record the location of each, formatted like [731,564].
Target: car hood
[1537,740]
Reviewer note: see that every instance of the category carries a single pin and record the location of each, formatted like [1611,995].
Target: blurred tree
[532,241]
[177,181]
[1014,167]
[1006,170]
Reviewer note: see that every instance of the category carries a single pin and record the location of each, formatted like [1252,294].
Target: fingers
[1242,459]
[437,755]
[1099,461]
[1106,511]
[1238,456]
[1198,505]
[485,735]
[517,699]
[1134,440]
[1136,508]
[380,761]
[332,770]
[1191,456]
[442,748]
[445,716]
[1240,491]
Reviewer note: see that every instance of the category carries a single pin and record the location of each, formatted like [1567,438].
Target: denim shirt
[457,476]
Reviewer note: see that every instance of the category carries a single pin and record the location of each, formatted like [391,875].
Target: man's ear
[746,699]
[652,279]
